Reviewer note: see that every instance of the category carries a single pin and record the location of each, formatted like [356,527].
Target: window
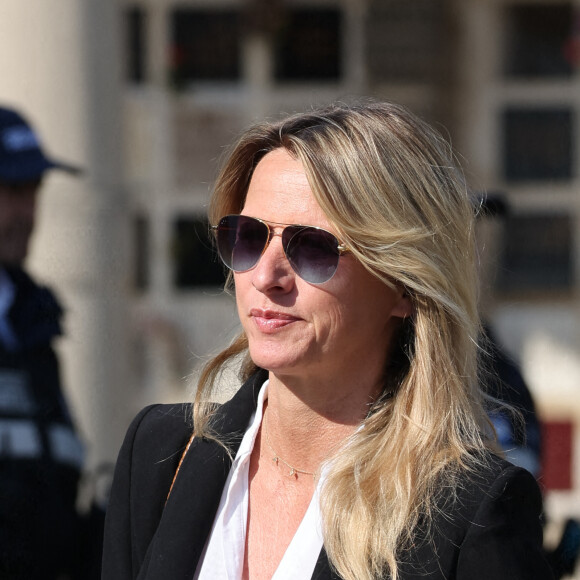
[539,40]
[407,41]
[537,253]
[205,46]
[538,144]
[136,46]
[194,259]
[199,134]
[308,45]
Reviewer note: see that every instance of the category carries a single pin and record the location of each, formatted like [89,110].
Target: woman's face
[297,328]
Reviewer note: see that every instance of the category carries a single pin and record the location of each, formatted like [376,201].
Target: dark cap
[21,155]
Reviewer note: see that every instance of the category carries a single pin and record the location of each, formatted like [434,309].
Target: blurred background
[145,95]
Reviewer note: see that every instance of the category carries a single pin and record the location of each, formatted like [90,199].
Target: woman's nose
[273,271]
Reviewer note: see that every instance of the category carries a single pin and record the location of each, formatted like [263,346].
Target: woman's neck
[306,423]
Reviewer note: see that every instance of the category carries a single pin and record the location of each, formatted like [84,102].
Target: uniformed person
[40,451]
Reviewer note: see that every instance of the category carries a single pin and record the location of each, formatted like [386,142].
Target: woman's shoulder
[483,522]
[153,446]
[159,433]
[164,417]
[490,476]
[146,465]
[488,480]
[492,495]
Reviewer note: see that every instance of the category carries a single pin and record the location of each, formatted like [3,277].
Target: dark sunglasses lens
[312,253]
[241,241]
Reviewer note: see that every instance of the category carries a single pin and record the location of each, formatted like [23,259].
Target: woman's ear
[404,308]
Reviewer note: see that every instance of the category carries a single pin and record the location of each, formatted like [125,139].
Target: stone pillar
[59,63]
[479,25]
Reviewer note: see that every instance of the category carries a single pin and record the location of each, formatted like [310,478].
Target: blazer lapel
[191,508]
[322,570]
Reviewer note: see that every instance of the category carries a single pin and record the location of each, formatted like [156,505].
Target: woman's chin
[276,360]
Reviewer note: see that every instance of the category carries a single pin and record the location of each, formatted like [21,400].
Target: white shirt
[223,558]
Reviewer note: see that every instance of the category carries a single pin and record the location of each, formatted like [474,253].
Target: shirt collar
[247,444]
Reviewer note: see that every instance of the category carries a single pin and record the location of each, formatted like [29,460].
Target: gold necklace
[294,471]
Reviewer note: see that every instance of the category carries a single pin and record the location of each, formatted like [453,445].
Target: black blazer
[492,533]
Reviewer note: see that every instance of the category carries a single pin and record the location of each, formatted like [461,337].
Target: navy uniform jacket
[40,454]
[493,532]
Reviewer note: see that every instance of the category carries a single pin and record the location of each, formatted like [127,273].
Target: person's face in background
[17,212]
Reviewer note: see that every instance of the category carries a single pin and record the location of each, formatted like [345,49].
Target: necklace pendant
[292,471]
[275,459]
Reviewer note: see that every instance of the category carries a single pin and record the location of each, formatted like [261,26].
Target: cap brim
[34,168]
[67,167]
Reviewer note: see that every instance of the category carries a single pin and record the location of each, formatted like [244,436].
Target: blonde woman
[357,446]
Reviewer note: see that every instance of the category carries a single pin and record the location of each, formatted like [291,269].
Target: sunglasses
[312,252]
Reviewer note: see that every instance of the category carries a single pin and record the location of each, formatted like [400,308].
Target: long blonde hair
[389,185]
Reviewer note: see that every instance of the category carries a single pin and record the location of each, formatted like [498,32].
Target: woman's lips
[270,321]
